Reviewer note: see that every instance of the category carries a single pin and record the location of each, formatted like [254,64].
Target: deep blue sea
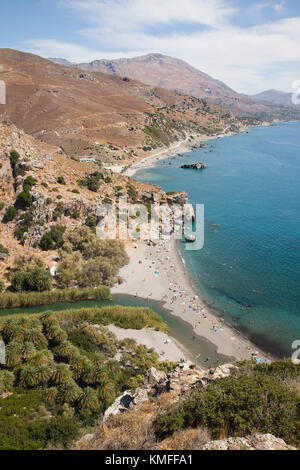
[251,191]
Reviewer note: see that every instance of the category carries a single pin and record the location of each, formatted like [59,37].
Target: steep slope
[275,96]
[58,193]
[175,74]
[99,115]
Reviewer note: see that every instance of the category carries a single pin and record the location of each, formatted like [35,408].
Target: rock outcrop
[255,442]
[181,381]
[194,166]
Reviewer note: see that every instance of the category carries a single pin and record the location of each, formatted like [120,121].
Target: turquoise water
[251,191]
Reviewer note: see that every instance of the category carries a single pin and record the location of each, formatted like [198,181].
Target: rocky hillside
[175,74]
[152,416]
[98,115]
[40,187]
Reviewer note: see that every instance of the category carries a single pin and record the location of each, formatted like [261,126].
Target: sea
[249,268]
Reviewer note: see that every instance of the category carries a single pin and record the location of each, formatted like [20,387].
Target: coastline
[213,328]
[159,273]
[183,146]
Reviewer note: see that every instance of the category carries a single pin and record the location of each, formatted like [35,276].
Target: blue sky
[250,45]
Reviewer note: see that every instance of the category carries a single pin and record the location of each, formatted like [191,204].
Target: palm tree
[28,376]
[79,366]
[36,337]
[98,359]
[69,391]
[61,374]
[57,335]
[42,357]
[8,330]
[6,381]
[51,394]
[13,354]
[28,350]
[67,351]
[43,374]
[107,392]
[88,402]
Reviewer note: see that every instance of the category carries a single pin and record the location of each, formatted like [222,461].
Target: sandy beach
[158,273]
[167,348]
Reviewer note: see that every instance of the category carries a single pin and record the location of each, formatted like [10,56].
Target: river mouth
[197,348]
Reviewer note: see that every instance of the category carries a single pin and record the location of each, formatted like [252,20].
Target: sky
[252,46]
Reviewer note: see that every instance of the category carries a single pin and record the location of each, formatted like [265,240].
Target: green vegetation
[14,157]
[3,249]
[53,239]
[24,224]
[33,299]
[132,193]
[91,222]
[2,286]
[2,205]
[88,261]
[257,398]
[37,280]
[92,182]
[61,373]
[58,212]
[9,215]
[61,180]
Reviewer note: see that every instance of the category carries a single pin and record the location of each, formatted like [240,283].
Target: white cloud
[247,59]
[125,14]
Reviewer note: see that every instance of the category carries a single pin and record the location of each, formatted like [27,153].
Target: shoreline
[173,287]
[183,146]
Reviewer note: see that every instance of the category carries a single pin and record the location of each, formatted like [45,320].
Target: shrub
[61,180]
[2,286]
[14,157]
[92,182]
[237,407]
[3,249]
[2,205]
[24,200]
[132,193]
[53,239]
[10,214]
[90,222]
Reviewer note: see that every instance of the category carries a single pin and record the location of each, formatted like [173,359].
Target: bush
[93,181]
[2,286]
[90,222]
[237,407]
[24,200]
[14,157]
[61,180]
[53,239]
[9,215]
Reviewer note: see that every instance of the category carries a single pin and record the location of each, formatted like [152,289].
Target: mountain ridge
[175,74]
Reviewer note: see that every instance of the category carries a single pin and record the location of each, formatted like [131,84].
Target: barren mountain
[100,115]
[275,96]
[175,74]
